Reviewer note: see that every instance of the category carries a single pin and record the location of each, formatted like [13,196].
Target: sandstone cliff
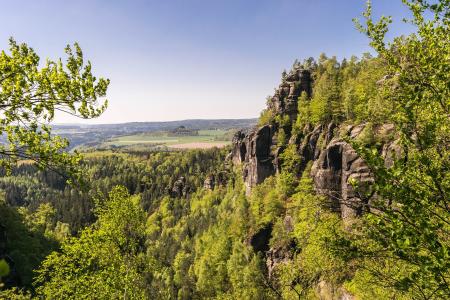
[335,164]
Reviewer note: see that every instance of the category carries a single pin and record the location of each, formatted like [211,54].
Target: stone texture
[333,172]
[209,182]
[213,180]
[336,167]
[390,152]
[277,256]
[180,188]
[256,151]
[253,152]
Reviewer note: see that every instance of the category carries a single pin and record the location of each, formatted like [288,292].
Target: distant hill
[80,134]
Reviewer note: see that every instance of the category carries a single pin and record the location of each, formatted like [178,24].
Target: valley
[339,190]
[211,133]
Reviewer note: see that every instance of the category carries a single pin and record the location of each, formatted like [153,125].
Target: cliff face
[335,164]
[257,150]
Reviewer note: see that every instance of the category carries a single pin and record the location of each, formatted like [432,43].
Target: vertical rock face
[209,182]
[335,164]
[180,188]
[333,172]
[216,179]
[256,151]
[285,99]
[259,157]
[336,167]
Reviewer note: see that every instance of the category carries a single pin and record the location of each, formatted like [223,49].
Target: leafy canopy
[32,92]
[410,220]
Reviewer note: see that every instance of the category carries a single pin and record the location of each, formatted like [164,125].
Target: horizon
[166,121]
[196,60]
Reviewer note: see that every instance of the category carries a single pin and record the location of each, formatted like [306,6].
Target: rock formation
[336,166]
[257,150]
[216,179]
[180,188]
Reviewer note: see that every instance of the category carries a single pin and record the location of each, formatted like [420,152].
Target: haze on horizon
[190,59]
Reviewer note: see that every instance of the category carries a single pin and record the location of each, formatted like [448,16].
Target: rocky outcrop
[337,170]
[335,173]
[276,256]
[254,152]
[280,254]
[213,180]
[209,182]
[336,167]
[180,188]
[257,151]
[284,101]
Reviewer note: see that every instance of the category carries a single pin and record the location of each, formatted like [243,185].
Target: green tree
[410,219]
[106,261]
[30,95]
[326,102]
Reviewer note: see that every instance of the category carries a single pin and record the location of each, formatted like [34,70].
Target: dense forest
[187,225]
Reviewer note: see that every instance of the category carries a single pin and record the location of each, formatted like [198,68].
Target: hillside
[339,191]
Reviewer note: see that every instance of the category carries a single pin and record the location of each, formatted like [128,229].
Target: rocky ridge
[335,164]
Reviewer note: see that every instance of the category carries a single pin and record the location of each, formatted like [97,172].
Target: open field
[204,145]
[83,136]
[204,139]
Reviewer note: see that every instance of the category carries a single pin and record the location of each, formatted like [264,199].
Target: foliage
[28,243]
[344,91]
[31,94]
[105,261]
[150,174]
[326,101]
[146,243]
[410,219]
[4,268]
[266,117]
[304,113]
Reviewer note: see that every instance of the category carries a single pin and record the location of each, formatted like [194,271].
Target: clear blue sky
[184,59]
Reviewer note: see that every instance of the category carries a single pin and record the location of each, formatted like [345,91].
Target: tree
[326,103]
[106,261]
[31,94]
[410,218]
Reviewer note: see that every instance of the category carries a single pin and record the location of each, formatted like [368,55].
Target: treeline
[31,196]
[151,174]
[343,91]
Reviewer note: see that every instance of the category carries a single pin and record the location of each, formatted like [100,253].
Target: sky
[190,59]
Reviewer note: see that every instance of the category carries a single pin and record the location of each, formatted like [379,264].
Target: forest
[185,224]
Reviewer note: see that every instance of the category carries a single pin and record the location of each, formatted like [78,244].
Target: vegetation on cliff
[162,235]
